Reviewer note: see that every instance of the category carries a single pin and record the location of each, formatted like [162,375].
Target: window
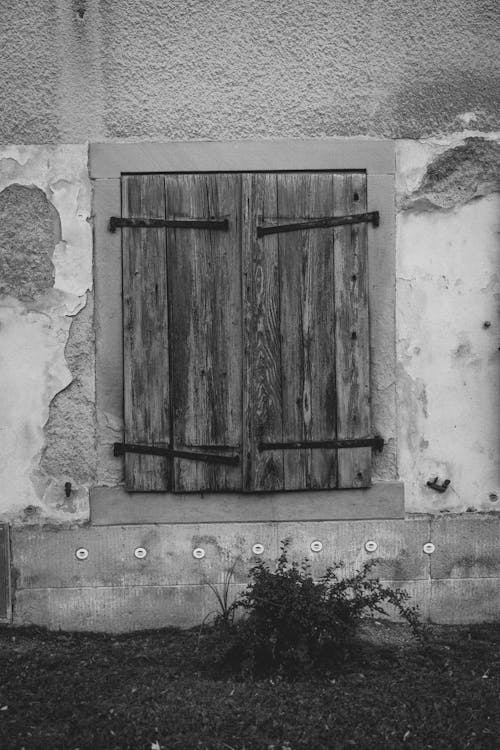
[246,341]
[269,482]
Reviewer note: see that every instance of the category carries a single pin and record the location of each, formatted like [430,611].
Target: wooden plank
[205,327]
[5,607]
[145,318]
[307,330]
[113,505]
[111,159]
[352,331]
[262,367]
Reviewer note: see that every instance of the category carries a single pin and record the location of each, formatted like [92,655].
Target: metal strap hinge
[327,221]
[119,449]
[376,442]
[217,224]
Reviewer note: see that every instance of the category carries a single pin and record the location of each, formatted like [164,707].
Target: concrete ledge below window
[116,506]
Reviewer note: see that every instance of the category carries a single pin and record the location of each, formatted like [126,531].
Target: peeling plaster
[448,286]
[45,187]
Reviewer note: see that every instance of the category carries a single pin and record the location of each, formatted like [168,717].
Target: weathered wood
[5,607]
[205,326]
[145,319]
[262,367]
[307,331]
[351,331]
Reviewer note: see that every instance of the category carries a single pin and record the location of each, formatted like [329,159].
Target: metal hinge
[119,449]
[217,224]
[376,442]
[328,221]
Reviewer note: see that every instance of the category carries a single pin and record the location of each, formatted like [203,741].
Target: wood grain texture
[205,326]
[307,330]
[145,321]
[5,607]
[352,331]
[262,366]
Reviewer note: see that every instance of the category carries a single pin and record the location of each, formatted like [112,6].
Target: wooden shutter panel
[205,324]
[306,324]
[145,341]
[352,331]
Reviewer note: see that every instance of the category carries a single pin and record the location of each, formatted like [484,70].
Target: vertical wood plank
[352,333]
[261,283]
[146,361]
[5,608]
[307,330]
[205,327]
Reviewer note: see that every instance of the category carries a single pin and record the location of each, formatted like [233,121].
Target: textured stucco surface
[46,341]
[448,322]
[93,69]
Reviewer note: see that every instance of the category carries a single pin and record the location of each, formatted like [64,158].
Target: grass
[149,690]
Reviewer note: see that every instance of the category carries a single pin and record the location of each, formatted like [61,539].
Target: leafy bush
[293,624]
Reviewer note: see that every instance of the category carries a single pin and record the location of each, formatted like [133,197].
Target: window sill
[116,506]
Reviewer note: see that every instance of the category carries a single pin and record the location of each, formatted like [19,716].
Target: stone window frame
[110,503]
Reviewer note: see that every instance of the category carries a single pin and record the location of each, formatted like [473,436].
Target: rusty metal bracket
[119,449]
[327,221]
[217,224]
[434,485]
[376,442]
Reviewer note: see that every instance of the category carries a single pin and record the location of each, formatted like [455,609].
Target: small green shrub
[293,624]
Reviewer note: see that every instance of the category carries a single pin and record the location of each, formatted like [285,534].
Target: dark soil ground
[150,691]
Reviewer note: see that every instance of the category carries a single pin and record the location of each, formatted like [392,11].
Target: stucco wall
[76,70]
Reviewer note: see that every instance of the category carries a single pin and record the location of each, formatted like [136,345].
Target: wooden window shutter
[182,331]
[243,345]
[306,322]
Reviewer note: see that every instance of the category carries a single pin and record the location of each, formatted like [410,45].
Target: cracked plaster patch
[46,192]
[447,287]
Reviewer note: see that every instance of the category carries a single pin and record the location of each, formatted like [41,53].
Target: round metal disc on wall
[81,553]
[140,553]
[316,546]
[429,548]
[258,549]
[198,553]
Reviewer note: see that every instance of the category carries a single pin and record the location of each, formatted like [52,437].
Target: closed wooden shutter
[306,316]
[182,331]
[243,344]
